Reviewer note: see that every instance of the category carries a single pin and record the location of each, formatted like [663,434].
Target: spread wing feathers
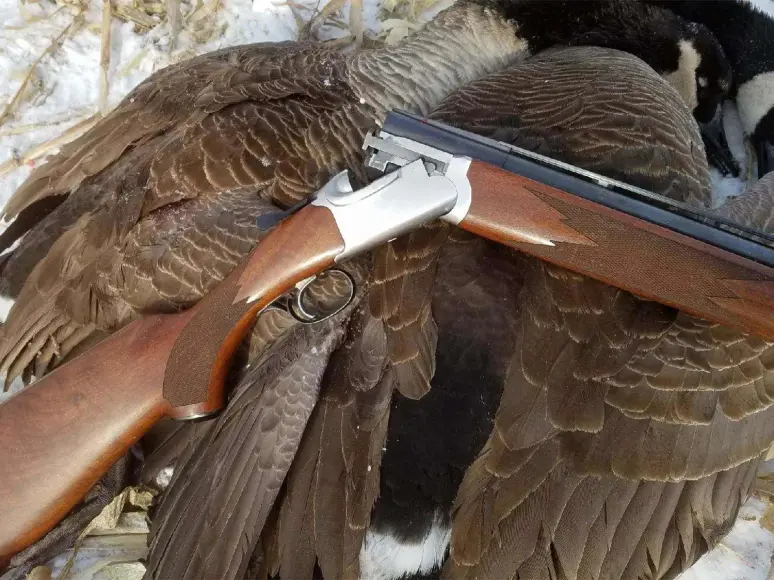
[404,273]
[593,363]
[334,481]
[152,228]
[619,408]
[651,449]
[225,490]
[574,333]
[697,367]
[546,520]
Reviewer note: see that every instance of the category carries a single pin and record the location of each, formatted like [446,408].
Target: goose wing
[156,222]
[153,221]
[233,473]
[628,434]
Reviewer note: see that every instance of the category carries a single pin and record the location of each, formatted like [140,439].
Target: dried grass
[143,21]
[200,22]
[104,59]
[173,16]
[17,98]
[400,18]
[43,148]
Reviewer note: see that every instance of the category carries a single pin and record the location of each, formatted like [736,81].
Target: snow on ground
[65,86]
[765,5]
[64,91]
[744,554]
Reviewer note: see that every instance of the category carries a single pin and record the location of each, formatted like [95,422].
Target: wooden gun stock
[61,434]
[646,259]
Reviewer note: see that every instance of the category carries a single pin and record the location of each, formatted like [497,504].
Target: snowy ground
[744,554]
[65,87]
[64,91]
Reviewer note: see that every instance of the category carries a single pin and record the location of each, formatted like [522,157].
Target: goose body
[508,399]
[150,209]
[572,430]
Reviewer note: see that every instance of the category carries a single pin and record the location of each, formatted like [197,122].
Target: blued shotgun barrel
[654,247]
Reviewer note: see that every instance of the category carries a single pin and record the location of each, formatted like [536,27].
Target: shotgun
[100,403]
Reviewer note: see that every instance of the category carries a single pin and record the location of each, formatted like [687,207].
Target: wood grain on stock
[61,434]
[302,245]
[603,243]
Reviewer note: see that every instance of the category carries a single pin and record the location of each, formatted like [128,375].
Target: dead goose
[571,431]
[745,32]
[302,93]
[152,207]
[627,434]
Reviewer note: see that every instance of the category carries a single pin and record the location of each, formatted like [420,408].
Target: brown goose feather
[234,155]
[612,405]
[266,422]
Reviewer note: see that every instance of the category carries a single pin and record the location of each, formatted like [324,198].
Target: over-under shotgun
[60,435]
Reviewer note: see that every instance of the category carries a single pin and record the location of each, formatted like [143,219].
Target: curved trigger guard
[293,302]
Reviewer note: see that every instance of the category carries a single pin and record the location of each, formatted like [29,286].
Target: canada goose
[702,82]
[746,34]
[304,91]
[572,430]
[148,210]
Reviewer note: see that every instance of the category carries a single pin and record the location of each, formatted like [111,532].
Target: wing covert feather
[622,422]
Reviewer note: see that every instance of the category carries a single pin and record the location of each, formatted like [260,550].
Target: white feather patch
[383,557]
[684,78]
[754,99]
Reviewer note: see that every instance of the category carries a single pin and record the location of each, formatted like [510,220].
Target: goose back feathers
[242,127]
[150,209]
[591,434]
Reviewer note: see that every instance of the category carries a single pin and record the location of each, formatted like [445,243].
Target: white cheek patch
[5,307]
[754,99]
[684,78]
[383,557]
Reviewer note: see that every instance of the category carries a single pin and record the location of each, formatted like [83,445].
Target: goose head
[686,54]
[701,73]
[698,69]
[746,33]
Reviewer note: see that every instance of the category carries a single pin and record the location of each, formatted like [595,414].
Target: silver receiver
[385,149]
[427,184]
